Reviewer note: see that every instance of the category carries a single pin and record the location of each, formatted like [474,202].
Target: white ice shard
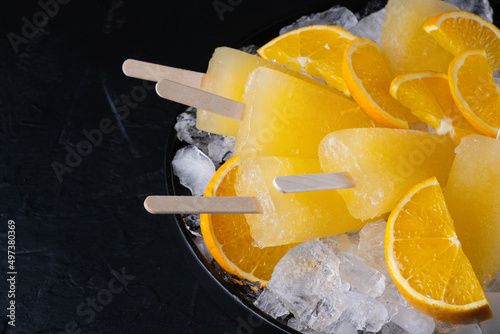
[370,26]
[337,15]
[478,7]
[307,281]
[193,168]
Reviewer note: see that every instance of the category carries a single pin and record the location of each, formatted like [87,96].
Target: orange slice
[426,260]
[368,79]
[457,31]
[316,50]
[227,236]
[427,95]
[475,92]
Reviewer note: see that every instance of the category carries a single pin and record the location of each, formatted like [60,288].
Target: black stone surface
[82,145]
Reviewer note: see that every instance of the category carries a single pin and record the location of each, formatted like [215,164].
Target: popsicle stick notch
[199,204]
[313,182]
[154,72]
[198,98]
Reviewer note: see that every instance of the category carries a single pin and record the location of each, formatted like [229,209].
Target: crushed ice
[337,15]
[193,168]
[342,281]
[370,26]
[478,7]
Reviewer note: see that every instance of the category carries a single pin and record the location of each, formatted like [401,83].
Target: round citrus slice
[427,95]
[457,31]
[475,92]
[426,260]
[228,238]
[316,50]
[368,79]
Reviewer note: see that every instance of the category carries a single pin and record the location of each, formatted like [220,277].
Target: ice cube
[393,299]
[413,321]
[333,243]
[491,326]
[337,15]
[344,327]
[340,243]
[193,168]
[392,328]
[496,76]
[202,247]
[478,7]
[307,281]
[301,326]
[371,245]
[186,127]
[218,148]
[364,312]
[271,305]
[370,26]
[468,329]
[362,277]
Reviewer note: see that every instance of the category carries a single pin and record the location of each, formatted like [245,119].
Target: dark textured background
[76,233]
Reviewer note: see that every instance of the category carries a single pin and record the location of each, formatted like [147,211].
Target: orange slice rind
[426,260]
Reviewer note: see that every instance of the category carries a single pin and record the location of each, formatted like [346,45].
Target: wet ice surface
[370,26]
[333,282]
[193,168]
[218,148]
[337,15]
[478,7]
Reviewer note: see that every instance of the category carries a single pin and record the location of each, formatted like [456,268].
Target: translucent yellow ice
[404,44]
[286,116]
[290,218]
[473,198]
[227,73]
[385,164]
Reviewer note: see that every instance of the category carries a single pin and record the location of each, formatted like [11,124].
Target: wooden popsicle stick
[313,182]
[155,72]
[200,204]
[198,98]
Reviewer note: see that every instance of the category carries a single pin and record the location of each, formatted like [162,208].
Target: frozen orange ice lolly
[290,218]
[405,46]
[473,198]
[384,164]
[227,74]
[287,116]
